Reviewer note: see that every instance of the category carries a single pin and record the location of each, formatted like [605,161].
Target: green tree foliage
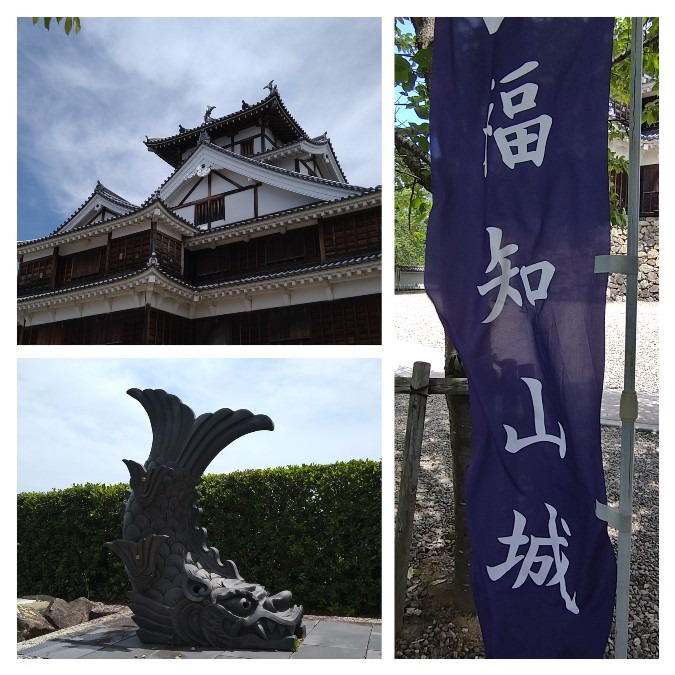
[412,196]
[412,63]
[69,23]
[412,204]
[315,530]
[619,90]
[412,60]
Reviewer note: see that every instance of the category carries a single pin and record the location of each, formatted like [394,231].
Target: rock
[62,615]
[30,623]
[98,609]
[40,598]
[83,606]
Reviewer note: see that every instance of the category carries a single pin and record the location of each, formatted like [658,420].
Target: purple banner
[519,163]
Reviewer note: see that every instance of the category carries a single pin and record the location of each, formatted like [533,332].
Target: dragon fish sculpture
[182,593]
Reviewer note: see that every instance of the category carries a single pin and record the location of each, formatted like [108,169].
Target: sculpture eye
[240,605]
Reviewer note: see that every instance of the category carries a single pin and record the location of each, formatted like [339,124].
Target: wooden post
[410,468]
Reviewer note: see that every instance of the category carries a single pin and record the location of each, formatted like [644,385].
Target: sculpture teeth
[261,630]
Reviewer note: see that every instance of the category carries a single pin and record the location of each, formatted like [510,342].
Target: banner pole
[629,406]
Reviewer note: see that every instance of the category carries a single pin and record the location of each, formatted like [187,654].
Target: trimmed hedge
[315,530]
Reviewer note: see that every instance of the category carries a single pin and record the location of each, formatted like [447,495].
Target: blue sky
[86,102]
[76,422]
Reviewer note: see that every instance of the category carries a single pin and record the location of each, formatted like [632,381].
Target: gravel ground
[431,629]
[415,320]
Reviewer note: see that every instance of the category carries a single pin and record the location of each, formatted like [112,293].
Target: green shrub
[315,530]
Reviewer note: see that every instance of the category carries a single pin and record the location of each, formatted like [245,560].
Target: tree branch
[654,40]
[414,159]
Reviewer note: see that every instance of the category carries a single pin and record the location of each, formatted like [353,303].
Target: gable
[238,188]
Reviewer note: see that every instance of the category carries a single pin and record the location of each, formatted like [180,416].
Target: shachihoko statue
[182,593]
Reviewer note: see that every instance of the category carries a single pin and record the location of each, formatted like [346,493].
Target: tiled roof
[319,140]
[300,269]
[289,212]
[111,221]
[621,113]
[270,167]
[100,189]
[197,232]
[186,137]
[287,172]
[196,288]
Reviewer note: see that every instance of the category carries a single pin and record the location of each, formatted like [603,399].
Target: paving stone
[103,637]
[116,653]
[69,650]
[336,634]
[117,640]
[255,654]
[309,625]
[184,654]
[328,652]
[375,642]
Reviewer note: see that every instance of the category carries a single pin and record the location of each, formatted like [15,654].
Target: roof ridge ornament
[204,137]
[207,114]
[272,87]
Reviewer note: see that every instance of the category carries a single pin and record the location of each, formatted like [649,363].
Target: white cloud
[86,102]
[76,423]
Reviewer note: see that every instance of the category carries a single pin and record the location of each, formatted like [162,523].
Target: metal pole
[628,407]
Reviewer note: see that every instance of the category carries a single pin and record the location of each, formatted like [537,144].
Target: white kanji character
[545,562]
[524,142]
[541,292]
[515,444]
[514,141]
[499,256]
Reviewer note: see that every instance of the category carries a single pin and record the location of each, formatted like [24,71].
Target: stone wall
[648,262]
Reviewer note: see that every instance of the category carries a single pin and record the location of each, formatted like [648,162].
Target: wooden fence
[418,387]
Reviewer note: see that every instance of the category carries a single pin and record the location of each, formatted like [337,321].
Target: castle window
[281,247]
[210,210]
[85,264]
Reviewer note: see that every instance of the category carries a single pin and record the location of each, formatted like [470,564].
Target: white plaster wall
[246,133]
[36,255]
[271,199]
[181,192]
[648,155]
[219,185]
[83,245]
[287,163]
[188,213]
[239,206]
[291,295]
[357,285]
[236,178]
[133,228]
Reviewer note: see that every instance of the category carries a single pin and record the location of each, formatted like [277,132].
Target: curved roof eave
[312,186]
[315,271]
[161,145]
[102,192]
[313,146]
[90,230]
[369,198]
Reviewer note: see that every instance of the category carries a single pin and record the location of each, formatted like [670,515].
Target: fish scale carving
[181,591]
